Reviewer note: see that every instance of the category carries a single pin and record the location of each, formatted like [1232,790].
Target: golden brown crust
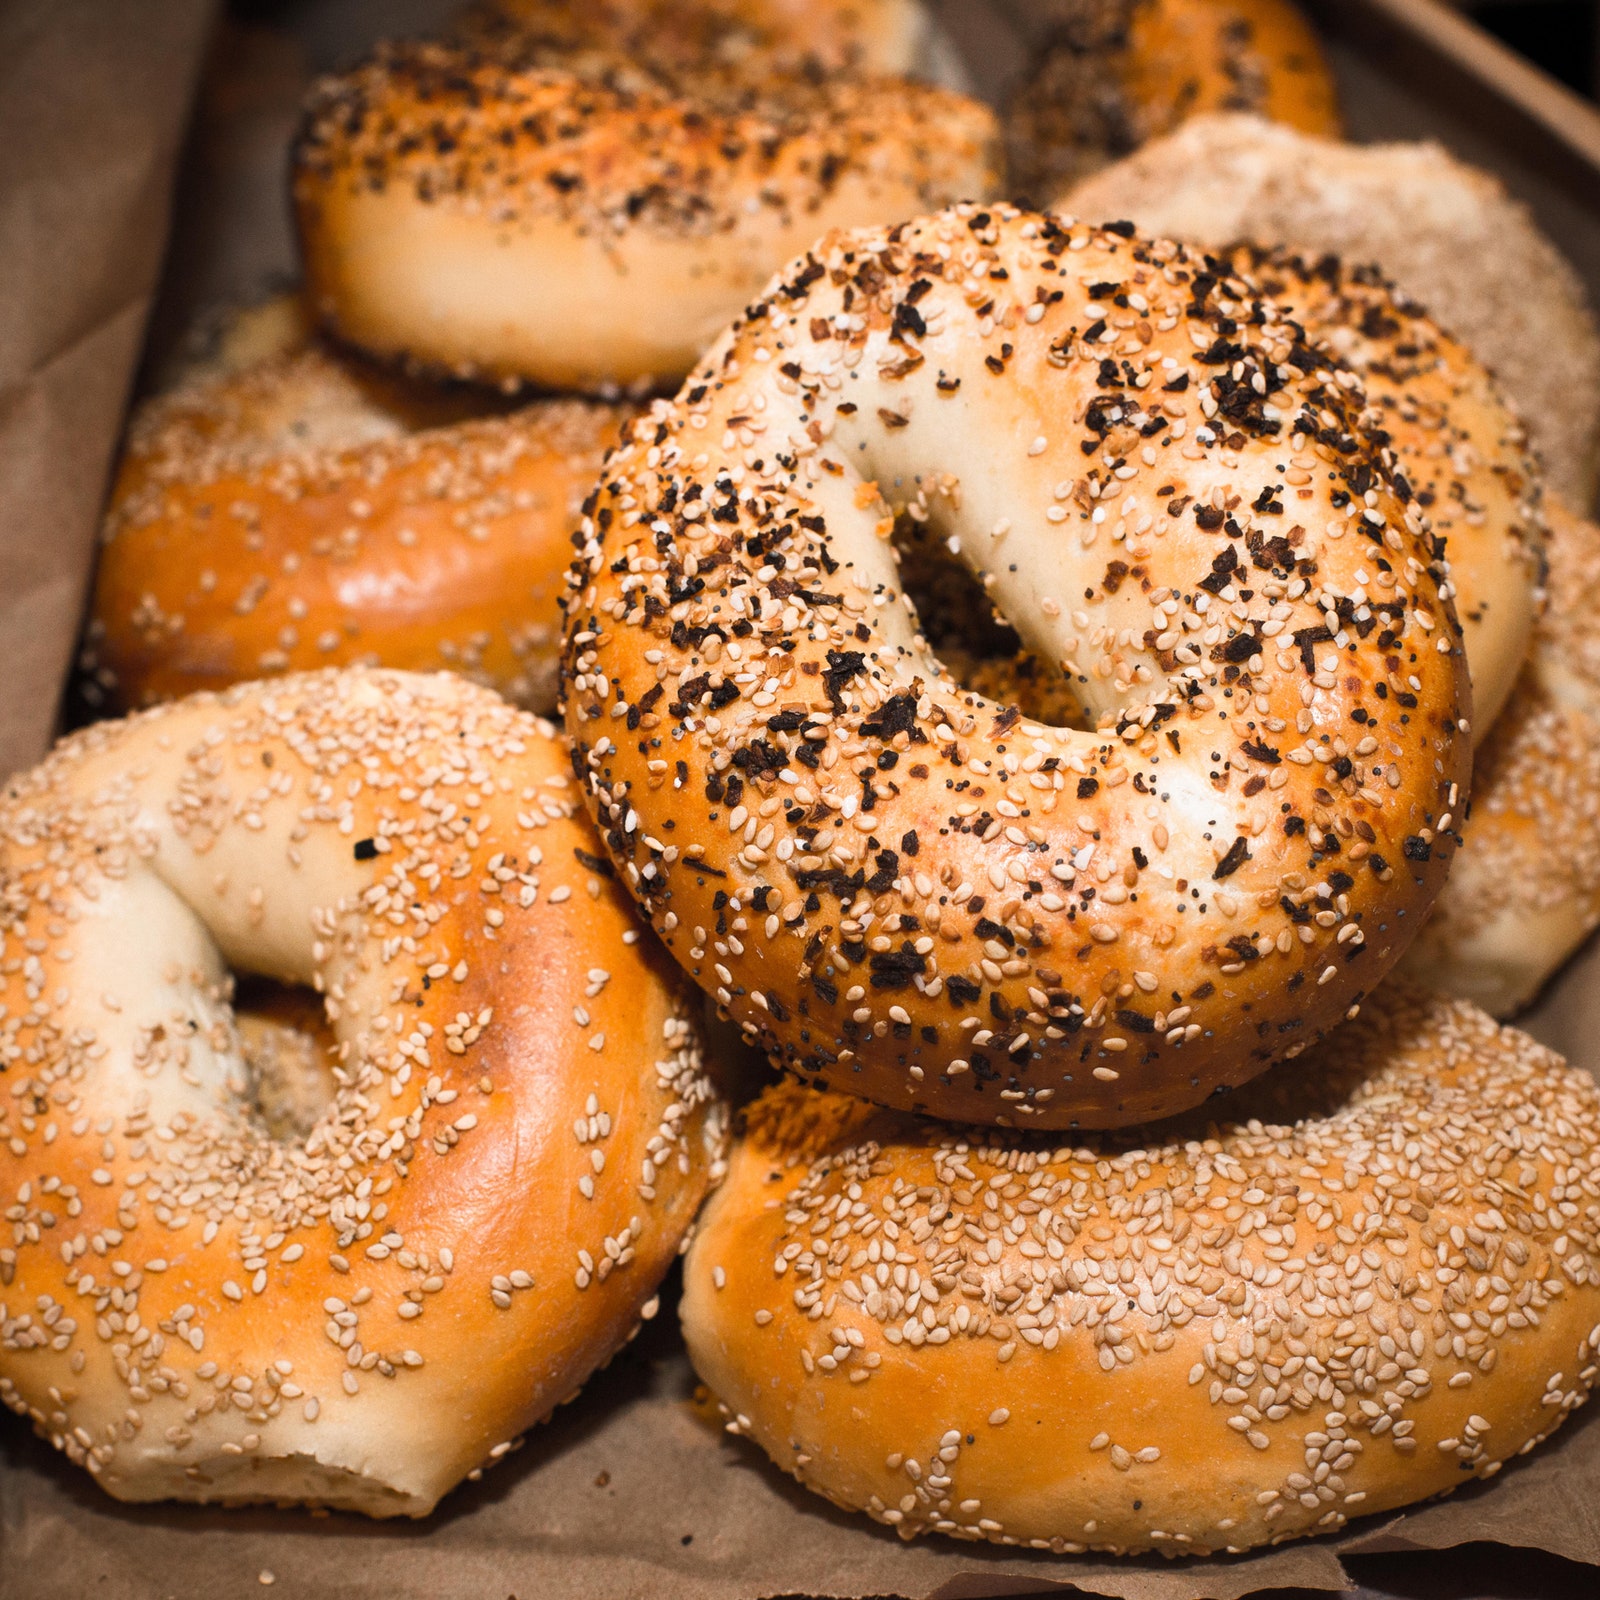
[1524,892]
[1378,1280]
[1112,74]
[502,221]
[304,510]
[192,1307]
[1449,433]
[893,885]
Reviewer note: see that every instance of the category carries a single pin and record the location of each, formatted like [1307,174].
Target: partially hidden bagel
[1461,451]
[1345,1290]
[287,506]
[210,1293]
[589,224]
[1524,891]
[901,889]
[1107,75]
[1448,234]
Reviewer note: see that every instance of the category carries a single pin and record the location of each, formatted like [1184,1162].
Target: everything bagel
[1449,434]
[212,1294]
[1373,1282]
[585,224]
[897,887]
[1448,235]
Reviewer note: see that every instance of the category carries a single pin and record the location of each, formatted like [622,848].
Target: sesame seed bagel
[900,888]
[1448,234]
[1110,74]
[1460,449]
[1524,892]
[1375,1282]
[194,1306]
[594,224]
[306,510]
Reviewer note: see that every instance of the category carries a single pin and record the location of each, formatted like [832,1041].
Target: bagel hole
[290,1050]
[974,642]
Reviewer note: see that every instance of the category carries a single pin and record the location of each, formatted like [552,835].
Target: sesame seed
[1313,1263]
[224,1161]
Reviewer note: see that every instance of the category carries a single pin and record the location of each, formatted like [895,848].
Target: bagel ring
[1110,74]
[298,509]
[583,225]
[1189,1339]
[195,1308]
[1524,891]
[892,888]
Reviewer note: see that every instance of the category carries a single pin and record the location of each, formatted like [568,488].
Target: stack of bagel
[1101,696]
[562,198]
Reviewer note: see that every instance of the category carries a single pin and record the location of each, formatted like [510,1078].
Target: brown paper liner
[94,97]
[630,1490]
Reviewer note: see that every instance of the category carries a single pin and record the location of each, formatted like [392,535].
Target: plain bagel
[901,889]
[585,224]
[1524,891]
[357,1314]
[1377,1280]
[288,507]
